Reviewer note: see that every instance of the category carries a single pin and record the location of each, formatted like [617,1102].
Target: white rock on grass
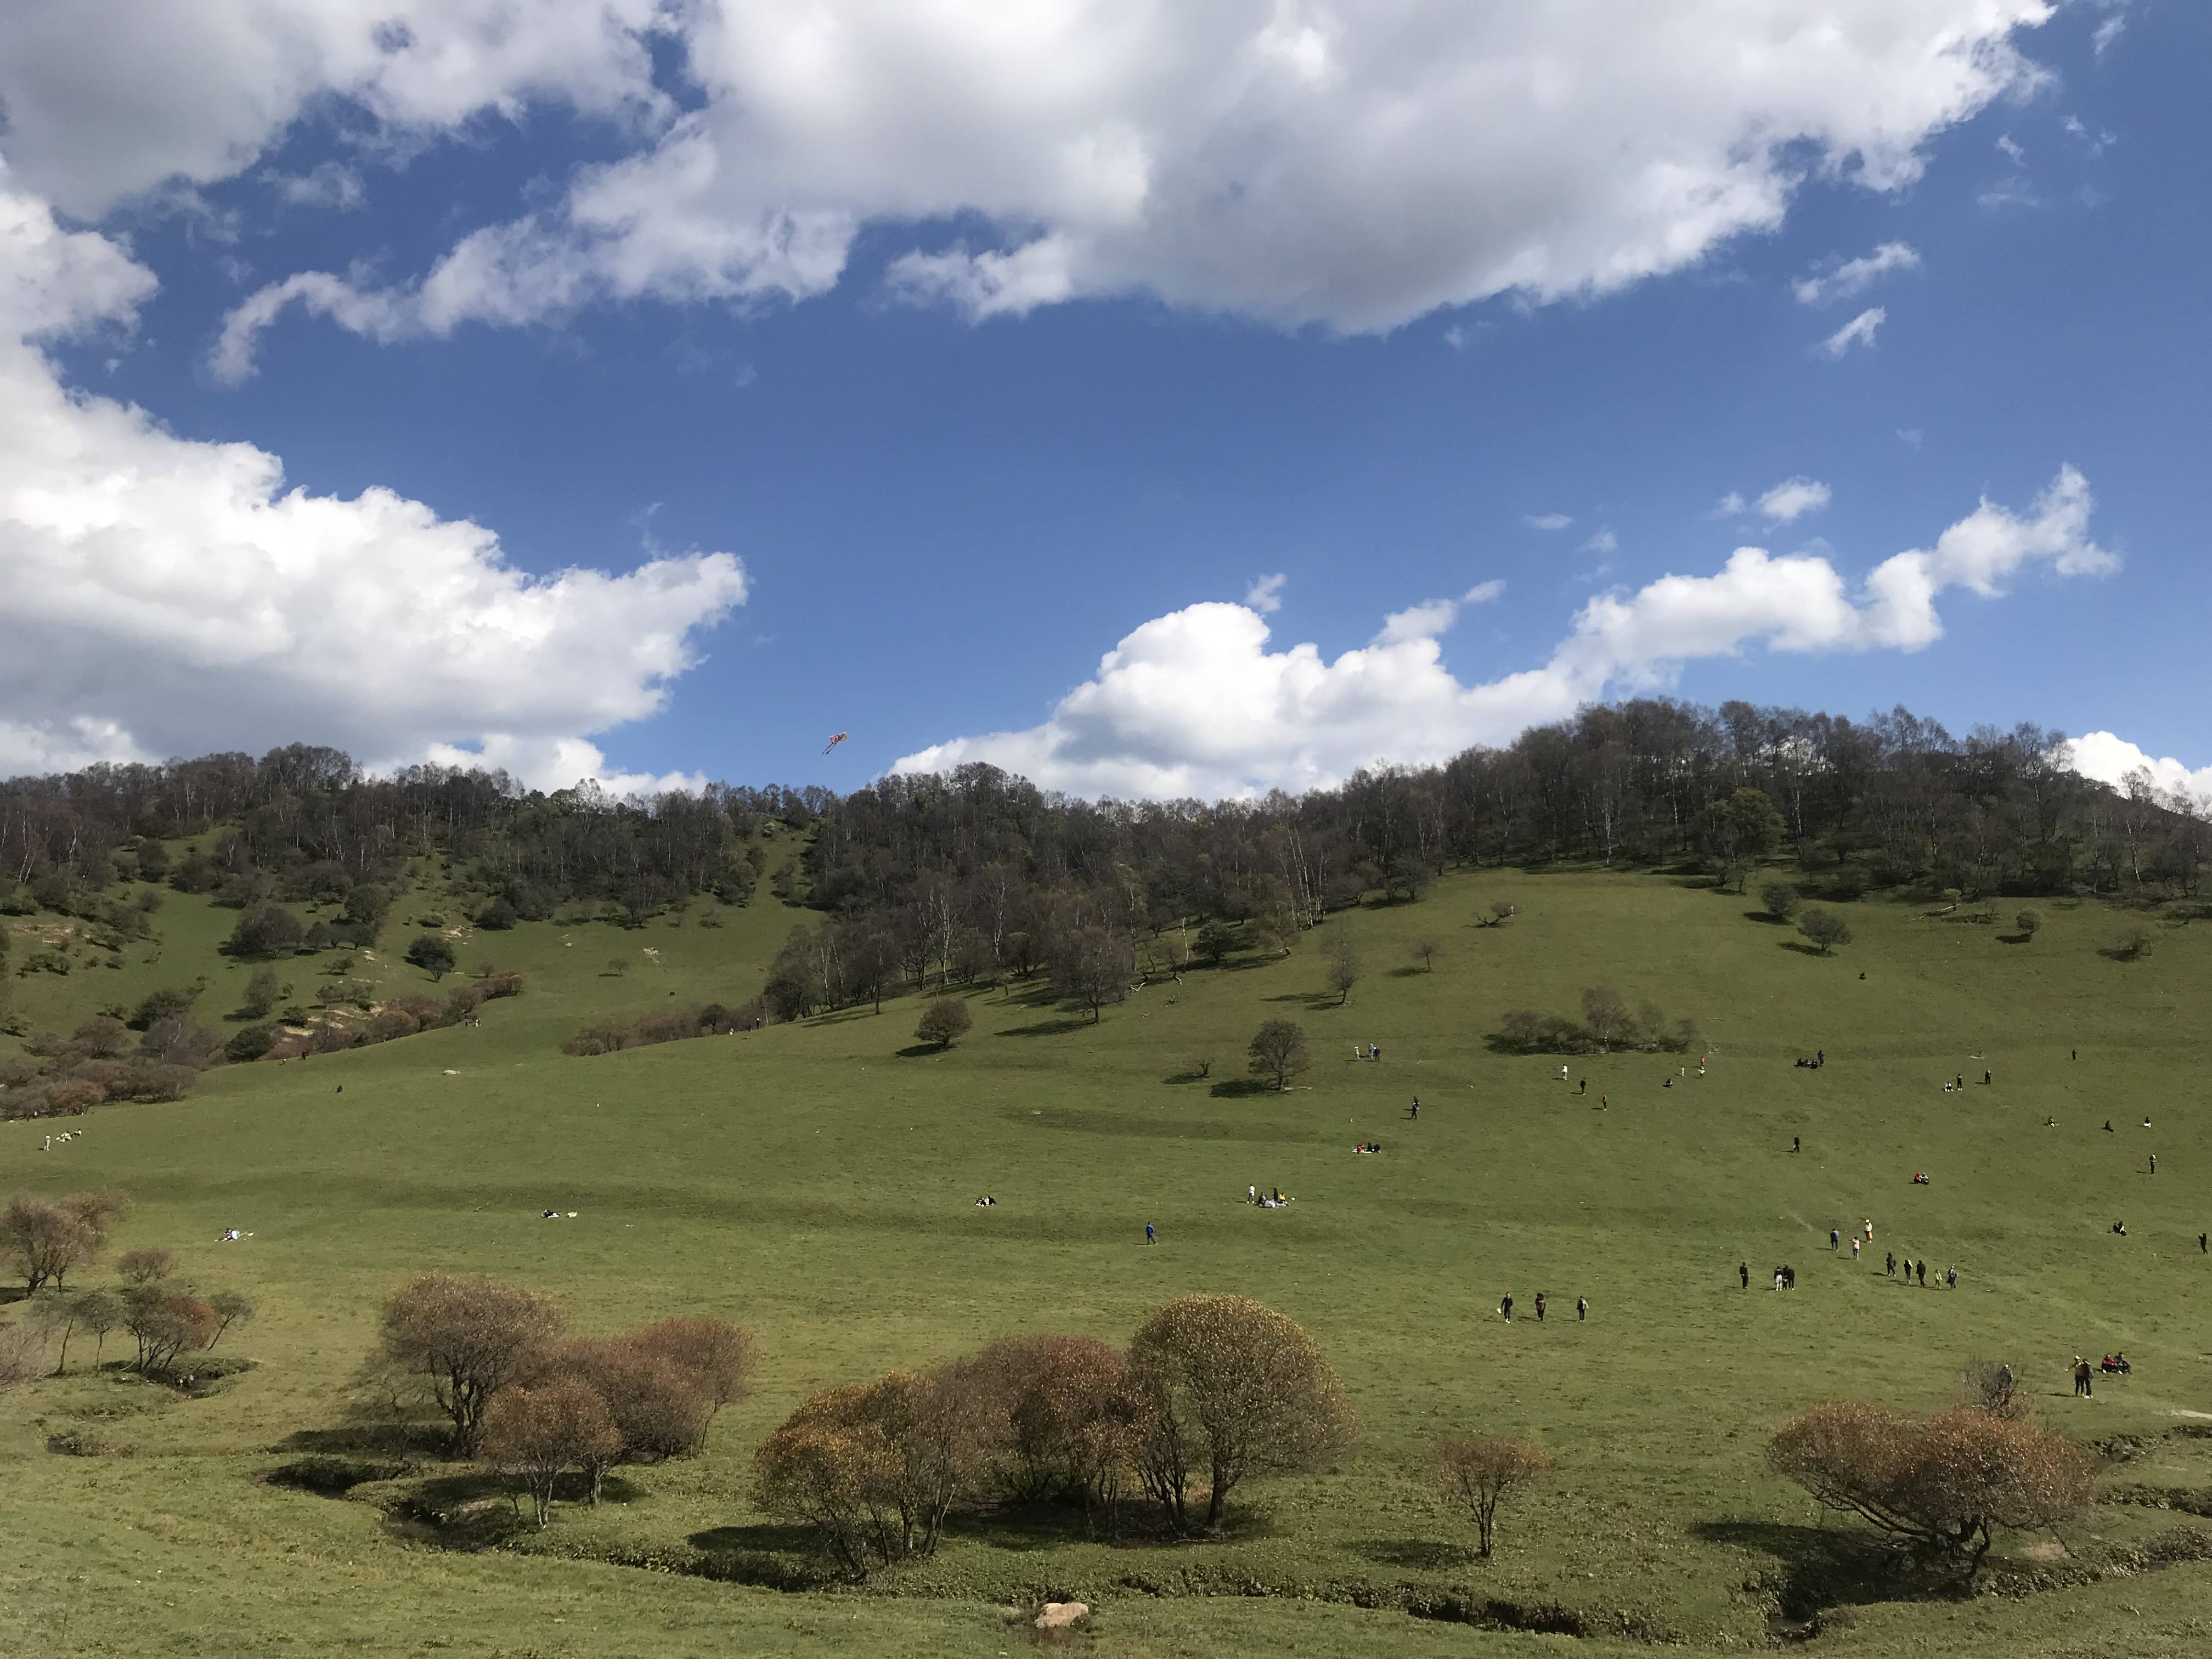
[1059,1615]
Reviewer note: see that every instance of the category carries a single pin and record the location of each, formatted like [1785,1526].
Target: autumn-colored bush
[463,1340]
[540,1434]
[1480,1474]
[1941,1486]
[874,1467]
[1238,1391]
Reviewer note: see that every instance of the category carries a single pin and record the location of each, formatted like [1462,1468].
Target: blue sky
[949,484]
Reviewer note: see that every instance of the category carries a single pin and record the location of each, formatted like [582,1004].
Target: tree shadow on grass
[2015,939]
[1047,1027]
[1801,949]
[922,1050]
[1823,1567]
[766,1535]
[1415,1553]
[1313,1001]
[1240,1088]
[1767,917]
[422,1441]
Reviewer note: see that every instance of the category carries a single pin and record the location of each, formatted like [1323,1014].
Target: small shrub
[943,1021]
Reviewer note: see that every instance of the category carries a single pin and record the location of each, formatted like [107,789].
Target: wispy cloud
[1604,541]
[2108,32]
[1859,332]
[1265,593]
[1792,499]
[1547,520]
[1855,277]
[1483,592]
[2011,150]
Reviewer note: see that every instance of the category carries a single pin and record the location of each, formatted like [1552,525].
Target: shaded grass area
[813,1184]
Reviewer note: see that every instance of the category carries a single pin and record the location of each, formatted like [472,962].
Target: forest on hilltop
[982,873]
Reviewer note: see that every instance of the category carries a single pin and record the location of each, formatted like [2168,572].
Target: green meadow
[817,1182]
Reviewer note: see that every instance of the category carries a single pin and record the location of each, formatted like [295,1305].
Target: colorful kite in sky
[833,743]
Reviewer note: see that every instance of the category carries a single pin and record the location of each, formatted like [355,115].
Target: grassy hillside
[817,1182]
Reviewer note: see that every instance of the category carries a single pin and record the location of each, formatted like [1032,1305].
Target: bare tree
[167,1327]
[1342,956]
[1237,1391]
[1092,966]
[660,1408]
[466,1340]
[44,1237]
[537,1435]
[1425,952]
[1941,1486]
[146,1265]
[1991,1385]
[231,1308]
[1606,1017]
[722,1356]
[1278,1052]
[1825,928]
[22,1355]
[100,1312]
[1480,1474]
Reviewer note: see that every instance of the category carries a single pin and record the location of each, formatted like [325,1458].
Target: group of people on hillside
[1543,1303]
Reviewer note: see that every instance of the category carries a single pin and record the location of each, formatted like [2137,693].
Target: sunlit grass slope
[817,1182]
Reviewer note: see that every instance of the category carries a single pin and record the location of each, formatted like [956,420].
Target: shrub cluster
[1608,1023]
[403,1016]
[609,1037]
[494,1359]
[1211,1391]
[104,1060]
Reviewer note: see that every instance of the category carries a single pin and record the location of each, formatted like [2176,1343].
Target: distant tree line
[304,824]
[979,874]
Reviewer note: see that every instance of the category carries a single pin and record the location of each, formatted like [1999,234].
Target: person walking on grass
[2154,1163]
[1506,1307]
[2083,1377]
[1539,1306]
[1416,1113]
[1835,1239]
[1923,1269]
[1889,1264]
[1581,1307]
[1796,1145]
[1149,1237]
[1743,1273]
[1855,1249]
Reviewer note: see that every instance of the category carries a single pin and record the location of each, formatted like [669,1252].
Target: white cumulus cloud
[1197,703]
[160,596]
[1295,162]
[1855,277]
[1859,332]
[2111,758]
